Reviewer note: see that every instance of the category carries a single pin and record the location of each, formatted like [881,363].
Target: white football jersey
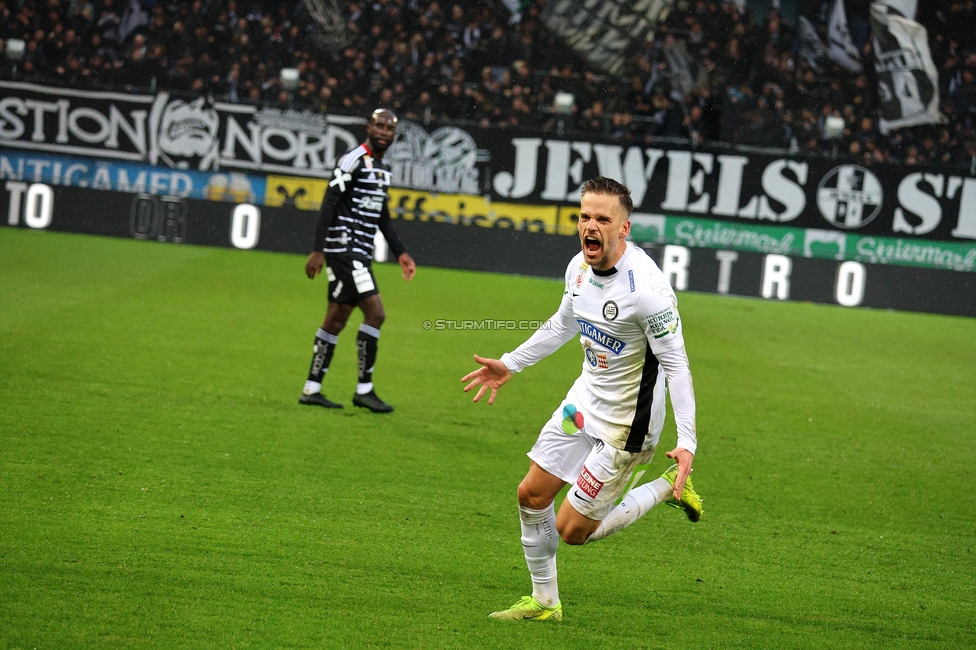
[625,318]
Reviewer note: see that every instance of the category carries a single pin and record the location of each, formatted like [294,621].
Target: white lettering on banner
[39,207]
[729,185]
[16,190]
[632,173]
[521,183]
[681,180]
[776,277]
[136,132]
[781,188]
[782,180]
[966,224]
[269,148]
[11,126]
[559,169]
[174,132]
[849,288]
[725,261]
[675,266]
[919,203]
[39,109]
[245,226]
[75,125]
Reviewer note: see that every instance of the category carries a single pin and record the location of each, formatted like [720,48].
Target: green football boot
[529,609]
[690,502]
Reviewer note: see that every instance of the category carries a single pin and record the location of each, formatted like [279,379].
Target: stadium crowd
[745,82]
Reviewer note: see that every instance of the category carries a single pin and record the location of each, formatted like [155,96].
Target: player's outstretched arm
[492,374]
[685,459]
[316,260]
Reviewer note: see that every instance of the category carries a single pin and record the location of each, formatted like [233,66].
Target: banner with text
[499,165]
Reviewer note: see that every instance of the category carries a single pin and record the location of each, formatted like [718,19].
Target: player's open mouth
[591,245]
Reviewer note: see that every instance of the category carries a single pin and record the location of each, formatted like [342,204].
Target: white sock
[635,505]
[312,387]
[539,543]
[362,389]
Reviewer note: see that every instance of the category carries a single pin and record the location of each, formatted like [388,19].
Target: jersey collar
[603,274]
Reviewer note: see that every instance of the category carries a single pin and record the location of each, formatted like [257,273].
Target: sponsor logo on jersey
[663,323]
[630,274]
[610,310]
[595,334]
[595,283]
[370,203]
[589,483]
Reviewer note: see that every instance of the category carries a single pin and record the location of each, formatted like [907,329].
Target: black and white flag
[904,8]
[908,81]
[686,74]
[607,34]
[842,49]
[811,47]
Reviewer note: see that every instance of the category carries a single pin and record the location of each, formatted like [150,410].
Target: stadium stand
[745,83]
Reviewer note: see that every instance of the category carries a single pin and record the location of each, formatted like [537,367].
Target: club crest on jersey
[595,334]
[590,356]
[610,310]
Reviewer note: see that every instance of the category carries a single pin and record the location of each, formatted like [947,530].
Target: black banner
[500,165]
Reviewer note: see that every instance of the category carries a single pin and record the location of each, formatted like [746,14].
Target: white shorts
[600,475]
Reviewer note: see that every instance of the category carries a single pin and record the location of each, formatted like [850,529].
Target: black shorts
[349,280]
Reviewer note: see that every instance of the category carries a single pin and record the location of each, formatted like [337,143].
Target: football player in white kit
[603,435]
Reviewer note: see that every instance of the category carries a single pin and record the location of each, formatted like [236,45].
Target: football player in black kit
[354,207]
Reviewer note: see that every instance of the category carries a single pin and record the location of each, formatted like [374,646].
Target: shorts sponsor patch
[363,280]
[601,361]
[589,483]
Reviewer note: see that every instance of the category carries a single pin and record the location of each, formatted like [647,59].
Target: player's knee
[375,319]
[532,499]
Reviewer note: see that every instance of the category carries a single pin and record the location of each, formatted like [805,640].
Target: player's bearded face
[603,227]
[381,130]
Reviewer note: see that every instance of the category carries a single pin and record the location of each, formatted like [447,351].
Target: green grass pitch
[160,487]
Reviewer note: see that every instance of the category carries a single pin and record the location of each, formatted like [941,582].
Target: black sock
[366,344]
[322,355]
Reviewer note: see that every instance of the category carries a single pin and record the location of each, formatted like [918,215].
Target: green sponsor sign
[709,233]
[951,256]
[821,244]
